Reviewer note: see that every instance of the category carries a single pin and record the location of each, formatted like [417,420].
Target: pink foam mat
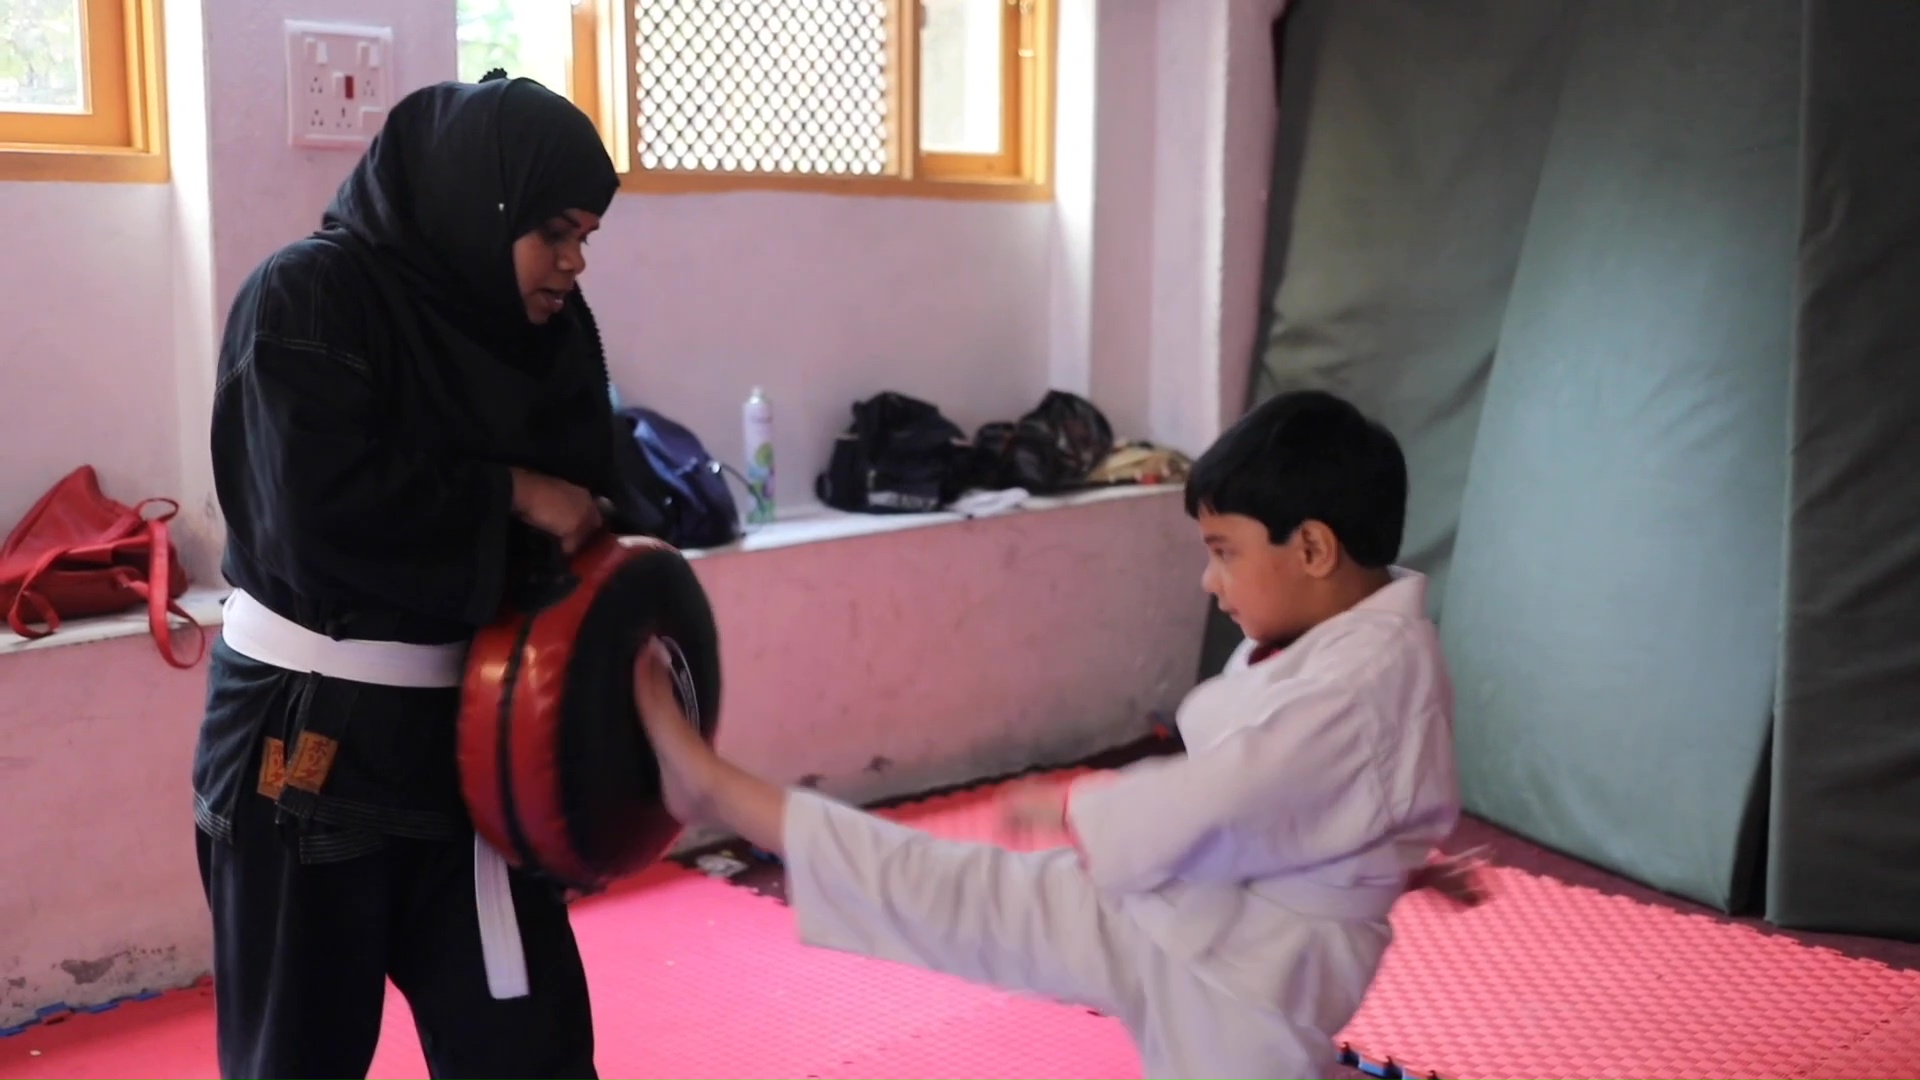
[693,977]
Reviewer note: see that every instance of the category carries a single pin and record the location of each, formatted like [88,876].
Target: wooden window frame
[603,31]
[123,138]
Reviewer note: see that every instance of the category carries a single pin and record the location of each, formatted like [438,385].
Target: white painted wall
[821,301]
[86,349]
[949,651]
[1249,116]
[1121,264]
[1185,223]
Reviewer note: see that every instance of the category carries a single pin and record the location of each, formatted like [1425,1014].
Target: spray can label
[757,417]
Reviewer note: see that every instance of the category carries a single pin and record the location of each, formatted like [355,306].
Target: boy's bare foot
[696,784]
[686,762]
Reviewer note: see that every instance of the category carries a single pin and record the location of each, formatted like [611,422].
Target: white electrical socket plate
[339,83]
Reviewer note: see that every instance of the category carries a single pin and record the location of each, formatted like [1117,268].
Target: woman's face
[548,260]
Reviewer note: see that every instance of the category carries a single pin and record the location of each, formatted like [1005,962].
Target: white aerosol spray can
[757,423]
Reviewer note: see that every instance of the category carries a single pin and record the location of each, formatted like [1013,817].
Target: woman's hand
[563,510]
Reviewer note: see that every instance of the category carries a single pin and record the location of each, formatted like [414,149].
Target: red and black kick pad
[556,772]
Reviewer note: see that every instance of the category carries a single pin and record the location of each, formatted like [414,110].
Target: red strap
[160,604]
[17,621]
[172,508]
[16,618]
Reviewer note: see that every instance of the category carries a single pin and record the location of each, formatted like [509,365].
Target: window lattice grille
[799,87]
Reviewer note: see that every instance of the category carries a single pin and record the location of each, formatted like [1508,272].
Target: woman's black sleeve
[338,502]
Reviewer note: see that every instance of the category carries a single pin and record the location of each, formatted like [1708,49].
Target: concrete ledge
[810,524]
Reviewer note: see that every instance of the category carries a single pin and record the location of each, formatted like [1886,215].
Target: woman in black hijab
[407,402]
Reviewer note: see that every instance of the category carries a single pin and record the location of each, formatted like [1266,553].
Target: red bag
[78,553]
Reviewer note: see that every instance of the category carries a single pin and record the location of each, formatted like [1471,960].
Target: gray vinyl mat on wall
[1619,272]
[1410,146]
[1613,616]
[1846,799]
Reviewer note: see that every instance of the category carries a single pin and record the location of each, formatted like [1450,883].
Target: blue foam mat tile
[60,1010]
[1385,1070]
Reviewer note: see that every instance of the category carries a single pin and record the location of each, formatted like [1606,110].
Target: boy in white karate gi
[1228,905]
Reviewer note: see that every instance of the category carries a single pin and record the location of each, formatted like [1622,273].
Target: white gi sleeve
[1298,783]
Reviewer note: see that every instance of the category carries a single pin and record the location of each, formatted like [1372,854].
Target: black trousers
[303,952]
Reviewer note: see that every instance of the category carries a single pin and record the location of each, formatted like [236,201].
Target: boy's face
[1264,587]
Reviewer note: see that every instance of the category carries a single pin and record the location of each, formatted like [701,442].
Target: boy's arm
[1294,788]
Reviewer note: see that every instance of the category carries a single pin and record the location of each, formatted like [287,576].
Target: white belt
[254,631]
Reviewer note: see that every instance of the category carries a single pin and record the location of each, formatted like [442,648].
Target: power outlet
[338,80]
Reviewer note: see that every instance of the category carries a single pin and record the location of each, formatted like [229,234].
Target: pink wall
[100,897]
[1133,285]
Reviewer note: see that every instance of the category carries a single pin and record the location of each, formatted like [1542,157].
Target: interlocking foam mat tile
[693,977]
[1552,978]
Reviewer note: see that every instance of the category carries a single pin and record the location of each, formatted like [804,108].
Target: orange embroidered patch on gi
[312,760]
[273,768]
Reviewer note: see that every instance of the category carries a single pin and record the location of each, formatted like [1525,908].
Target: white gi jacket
[1314,783]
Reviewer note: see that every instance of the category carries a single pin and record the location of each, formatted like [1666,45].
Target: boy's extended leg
[1024,921]
[858,883]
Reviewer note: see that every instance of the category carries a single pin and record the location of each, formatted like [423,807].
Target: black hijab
[457,173]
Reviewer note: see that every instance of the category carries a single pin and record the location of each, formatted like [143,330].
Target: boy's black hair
[1309,456]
